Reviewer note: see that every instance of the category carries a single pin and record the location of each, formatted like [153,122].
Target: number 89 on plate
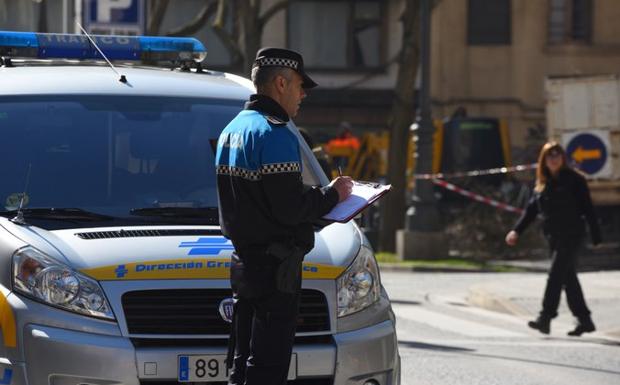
[203,368]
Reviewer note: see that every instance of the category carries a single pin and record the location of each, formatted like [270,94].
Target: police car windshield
[109,154]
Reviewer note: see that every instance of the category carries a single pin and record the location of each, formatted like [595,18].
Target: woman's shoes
[584,325]
[542,324]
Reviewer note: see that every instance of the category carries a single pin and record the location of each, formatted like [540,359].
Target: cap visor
[308,83]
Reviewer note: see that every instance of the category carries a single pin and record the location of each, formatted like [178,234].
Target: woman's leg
[576,301]
[553,290]
[574,295]
[557,275]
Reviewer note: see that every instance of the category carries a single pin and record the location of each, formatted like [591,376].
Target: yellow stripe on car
[195,268]
[7,323]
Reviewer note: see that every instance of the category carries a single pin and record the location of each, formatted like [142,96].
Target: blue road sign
[588,152]
[115,16]
[110,11]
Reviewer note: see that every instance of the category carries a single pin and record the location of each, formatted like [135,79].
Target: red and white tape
[490,171]
[477,197]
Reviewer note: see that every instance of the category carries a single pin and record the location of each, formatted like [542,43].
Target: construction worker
[343,146]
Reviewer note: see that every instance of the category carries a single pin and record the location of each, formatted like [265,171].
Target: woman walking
[562,198]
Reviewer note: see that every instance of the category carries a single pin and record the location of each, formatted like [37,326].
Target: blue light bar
[70,46]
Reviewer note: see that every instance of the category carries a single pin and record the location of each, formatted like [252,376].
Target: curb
[531,267]
[490,268]
[395,267]
[482,298]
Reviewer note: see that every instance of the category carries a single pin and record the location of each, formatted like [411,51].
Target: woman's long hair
[542,171]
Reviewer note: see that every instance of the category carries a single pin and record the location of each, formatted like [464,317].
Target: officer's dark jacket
[261,196]
[564,204]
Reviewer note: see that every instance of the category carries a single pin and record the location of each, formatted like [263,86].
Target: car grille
[196,311]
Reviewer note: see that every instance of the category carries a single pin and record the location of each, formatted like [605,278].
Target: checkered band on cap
[240,172]
[276,168]
[276,61]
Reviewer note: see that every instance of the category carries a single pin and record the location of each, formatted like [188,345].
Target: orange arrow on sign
[579,155]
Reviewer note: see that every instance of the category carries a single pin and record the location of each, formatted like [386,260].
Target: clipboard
[363,195]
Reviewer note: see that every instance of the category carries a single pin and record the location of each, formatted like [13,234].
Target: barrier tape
[490,171]
[477,197]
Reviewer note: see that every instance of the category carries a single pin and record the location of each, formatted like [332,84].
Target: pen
[339,171]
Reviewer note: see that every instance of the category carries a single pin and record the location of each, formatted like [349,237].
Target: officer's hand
[344,185]
[511,238]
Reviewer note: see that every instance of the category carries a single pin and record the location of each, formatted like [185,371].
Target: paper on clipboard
[362,196]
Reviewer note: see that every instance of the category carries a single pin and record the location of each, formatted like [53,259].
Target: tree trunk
[42,25]
[394,205]
[252,31]
[156,13]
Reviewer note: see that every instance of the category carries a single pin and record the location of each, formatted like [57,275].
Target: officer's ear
[280,82]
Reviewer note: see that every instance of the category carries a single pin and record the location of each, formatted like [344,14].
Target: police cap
[283,58]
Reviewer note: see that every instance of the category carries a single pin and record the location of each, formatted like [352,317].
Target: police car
[113,269]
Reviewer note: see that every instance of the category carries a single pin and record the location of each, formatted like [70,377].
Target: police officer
[562,197]
[268,213]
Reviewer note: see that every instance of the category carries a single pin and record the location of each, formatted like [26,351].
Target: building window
[337,34]
[489,22]
[570,21]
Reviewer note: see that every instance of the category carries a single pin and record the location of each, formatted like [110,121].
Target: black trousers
[563,274]
[265,324]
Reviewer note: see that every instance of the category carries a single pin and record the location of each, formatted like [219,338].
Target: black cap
[283,58]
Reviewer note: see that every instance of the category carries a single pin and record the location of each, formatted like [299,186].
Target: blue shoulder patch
[235,144]
[252,145]
[280,147]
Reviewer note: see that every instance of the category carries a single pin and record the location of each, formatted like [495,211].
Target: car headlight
[359,286]
[42,278]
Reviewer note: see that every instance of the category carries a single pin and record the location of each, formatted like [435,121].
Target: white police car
[113,269]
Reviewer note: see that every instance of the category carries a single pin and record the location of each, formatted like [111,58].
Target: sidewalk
[522,297]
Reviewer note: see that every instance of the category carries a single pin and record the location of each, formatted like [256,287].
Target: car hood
[174,252]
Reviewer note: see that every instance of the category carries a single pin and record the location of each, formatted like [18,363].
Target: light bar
[70,46]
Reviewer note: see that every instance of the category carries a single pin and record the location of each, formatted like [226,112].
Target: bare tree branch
[157,16]
[199,21]
[231,45]
[220,16]
[229,40]
[371,75]
[277,7]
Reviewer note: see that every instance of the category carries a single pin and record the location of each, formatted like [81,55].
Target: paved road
[445,340]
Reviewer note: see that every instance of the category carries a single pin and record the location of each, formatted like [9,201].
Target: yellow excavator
[459,144]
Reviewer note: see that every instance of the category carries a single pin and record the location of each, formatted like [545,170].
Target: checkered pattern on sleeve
[240,172]
[276,61]
[277,168]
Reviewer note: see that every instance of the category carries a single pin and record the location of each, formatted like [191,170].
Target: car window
[108,153]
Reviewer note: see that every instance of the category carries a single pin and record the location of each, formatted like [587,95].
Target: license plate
[212,368]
